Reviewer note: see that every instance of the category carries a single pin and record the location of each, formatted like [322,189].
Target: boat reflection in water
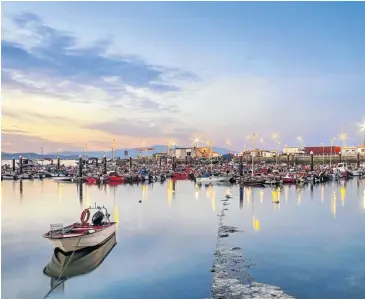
[83,261]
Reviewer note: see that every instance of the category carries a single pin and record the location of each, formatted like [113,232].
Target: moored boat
[180,175]
[82,234]
[83,261]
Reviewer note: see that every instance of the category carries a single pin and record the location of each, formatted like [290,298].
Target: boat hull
[209,180]
[75,243]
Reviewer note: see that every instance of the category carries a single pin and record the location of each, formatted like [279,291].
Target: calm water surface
[311,244]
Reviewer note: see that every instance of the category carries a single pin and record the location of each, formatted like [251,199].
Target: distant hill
[132,152]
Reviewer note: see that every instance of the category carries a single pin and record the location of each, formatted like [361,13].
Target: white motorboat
[63,179]
[83,234]
[82,262]
[356,172]
[8,177]
[65,265]
[213,179]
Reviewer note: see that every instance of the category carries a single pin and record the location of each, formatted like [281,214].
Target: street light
[277,151]
[228,143]
[363,130]
[42,154]
[332,139]
[196,141]
[85,150]
[113,146]
[343,137]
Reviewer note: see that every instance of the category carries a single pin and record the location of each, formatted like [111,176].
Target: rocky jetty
[231,279]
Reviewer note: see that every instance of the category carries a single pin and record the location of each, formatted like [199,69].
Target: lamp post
[277,151]
[85,150]
[332,139]
[113,145]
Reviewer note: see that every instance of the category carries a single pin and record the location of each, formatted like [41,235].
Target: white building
[349,150]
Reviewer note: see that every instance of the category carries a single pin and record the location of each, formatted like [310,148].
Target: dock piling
[358,159]
[58,162]
[241,197]
[21,164]
[104,164]
[80,166]
[241,166]
[13,164]
[312,162]
[173,163]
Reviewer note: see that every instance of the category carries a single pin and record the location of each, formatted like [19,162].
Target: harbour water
[311,244]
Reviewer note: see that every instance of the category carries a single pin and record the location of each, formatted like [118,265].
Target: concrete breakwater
[231,279]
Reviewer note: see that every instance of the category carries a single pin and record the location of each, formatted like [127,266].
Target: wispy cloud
[145,128]
[58,86]
[41,59]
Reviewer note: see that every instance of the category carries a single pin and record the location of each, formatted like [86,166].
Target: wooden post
[340,156]
[97,162]
[105,164]
[241,166]
[186,160]
[160,162]
[21,164]
[312,162]
[80,166]
[173,163]
[358,159]
[13,164]
[241,197]
[80,194]
[58,162]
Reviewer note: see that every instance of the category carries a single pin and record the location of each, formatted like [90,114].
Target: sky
[144,73]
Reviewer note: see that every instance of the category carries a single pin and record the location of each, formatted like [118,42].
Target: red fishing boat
[288,179]
[180,176]
[115,177]
[91,180]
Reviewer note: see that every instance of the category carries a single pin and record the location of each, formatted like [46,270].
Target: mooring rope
[57,280]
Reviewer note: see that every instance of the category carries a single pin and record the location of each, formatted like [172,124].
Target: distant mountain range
[132,152]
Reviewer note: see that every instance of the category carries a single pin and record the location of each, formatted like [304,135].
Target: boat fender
[85,214]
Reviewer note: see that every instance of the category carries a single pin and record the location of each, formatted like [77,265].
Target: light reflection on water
[311,243]
[165,243]
[312,236]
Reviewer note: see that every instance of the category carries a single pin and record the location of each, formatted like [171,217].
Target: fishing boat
[180,175]
[82,234]
[91,180]
[213,179]
[288,179]
[115,177]
[65,265]
[9,176]
[82,262]
[63,179]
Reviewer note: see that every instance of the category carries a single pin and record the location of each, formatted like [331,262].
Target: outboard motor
[98,218]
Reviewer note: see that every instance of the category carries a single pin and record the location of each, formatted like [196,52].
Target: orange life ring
[85,214]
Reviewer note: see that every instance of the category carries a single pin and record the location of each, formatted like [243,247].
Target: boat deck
[75,230]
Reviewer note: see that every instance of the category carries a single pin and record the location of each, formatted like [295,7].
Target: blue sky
[144,73]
